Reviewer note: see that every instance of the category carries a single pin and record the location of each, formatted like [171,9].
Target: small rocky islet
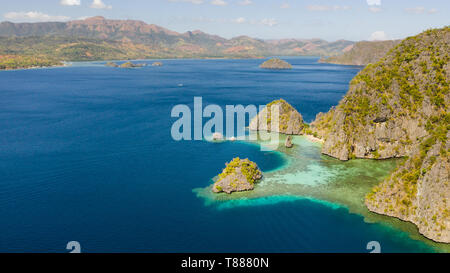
[239,175]
[288,142]
[290,120]
[276,64]
[124,65]
[242,174]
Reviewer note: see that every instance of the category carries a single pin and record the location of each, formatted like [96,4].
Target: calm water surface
[86,155]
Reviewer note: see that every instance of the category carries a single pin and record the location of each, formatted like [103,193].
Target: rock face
[131,65]
[290,120]
[111,64]
[238,175]
[217,136]
[276,63]
[363,53]
[288,142]
[398,107]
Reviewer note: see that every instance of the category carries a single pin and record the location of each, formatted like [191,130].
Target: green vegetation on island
[276,64]
[124,65]
[238,175]
[399,107]
[19,62]
[131,65]
[290,120]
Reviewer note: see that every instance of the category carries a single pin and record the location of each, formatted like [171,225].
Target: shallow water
[310,176]
[86,155]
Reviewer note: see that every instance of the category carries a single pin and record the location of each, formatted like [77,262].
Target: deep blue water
[86,155]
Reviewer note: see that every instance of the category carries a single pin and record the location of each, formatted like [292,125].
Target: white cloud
[269,22]
[378,36]
[98,4]
[240,20]
[196,2]
[33,16]
[327,8]
[245,2]
[218,3]
[70,2]
[285,6]
[421,10]
[374,2]
[375,9]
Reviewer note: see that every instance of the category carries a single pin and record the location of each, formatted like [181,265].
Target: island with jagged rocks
[399,108]
[288,143]
[124,65]
[8,62]
[111,64]
[290,120]
[131,65]
[276,64]
[239,175]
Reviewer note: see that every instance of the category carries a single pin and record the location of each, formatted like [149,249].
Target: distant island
[238,175]
[98,38]
[276,64]
[362,53]
[124,65]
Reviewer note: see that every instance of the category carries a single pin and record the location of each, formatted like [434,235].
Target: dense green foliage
[406,90]
[276,63]
[428,84]
[248,168]
[17,62]
[397,84]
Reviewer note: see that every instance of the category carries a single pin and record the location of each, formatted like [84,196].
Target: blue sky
[266,19]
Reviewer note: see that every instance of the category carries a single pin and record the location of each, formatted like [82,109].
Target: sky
[265,19]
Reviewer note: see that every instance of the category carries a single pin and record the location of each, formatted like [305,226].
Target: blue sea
[86,155]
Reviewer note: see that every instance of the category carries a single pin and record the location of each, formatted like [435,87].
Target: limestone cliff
[290,120]
[238,175]
[398,107]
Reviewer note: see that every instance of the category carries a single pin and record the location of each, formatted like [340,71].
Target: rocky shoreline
[398,108]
